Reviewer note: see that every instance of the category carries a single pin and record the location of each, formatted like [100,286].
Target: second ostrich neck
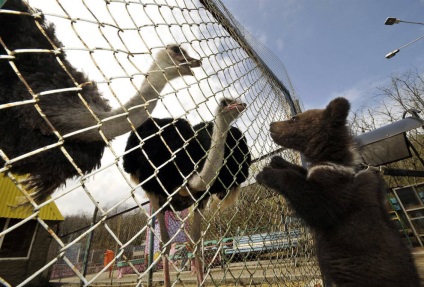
[202,180]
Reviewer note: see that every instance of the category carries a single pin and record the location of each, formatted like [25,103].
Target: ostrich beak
[187,63]
[187,60]
[193,63]
[239,106]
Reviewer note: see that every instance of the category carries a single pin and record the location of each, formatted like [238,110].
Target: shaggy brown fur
[356,242]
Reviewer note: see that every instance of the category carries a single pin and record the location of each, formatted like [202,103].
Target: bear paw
[269,177]
[279,162]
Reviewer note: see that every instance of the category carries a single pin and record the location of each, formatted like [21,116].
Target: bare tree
[404,92]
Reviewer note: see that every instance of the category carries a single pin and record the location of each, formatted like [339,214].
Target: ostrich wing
[172,151]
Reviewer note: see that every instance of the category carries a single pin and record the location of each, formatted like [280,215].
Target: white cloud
[352,94]
[359,94]
[262,37]
[280,44]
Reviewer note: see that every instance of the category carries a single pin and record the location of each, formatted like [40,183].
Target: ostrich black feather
[22,128]
[169,155]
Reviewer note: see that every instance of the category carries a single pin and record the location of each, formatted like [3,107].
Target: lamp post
[390,21]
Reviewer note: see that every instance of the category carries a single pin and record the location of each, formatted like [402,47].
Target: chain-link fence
[155,69]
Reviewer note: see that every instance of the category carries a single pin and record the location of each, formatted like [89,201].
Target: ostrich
[177,164]
[25,76]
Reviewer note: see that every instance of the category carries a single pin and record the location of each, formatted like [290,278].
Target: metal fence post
[151,250]
[88,245]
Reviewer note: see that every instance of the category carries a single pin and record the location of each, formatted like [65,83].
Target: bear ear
[337,110]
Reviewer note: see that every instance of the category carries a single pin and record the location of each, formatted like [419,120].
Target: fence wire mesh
[67,130]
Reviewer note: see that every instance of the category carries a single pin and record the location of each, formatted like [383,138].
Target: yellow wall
[9,195]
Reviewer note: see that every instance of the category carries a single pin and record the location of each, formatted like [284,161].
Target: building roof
[9,195]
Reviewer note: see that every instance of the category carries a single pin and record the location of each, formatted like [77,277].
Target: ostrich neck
[139,107]
[144,102]
[214,159]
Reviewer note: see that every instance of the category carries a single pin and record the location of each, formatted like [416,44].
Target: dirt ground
[266,273]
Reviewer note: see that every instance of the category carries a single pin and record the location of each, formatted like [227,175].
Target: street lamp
[391,21]
[392,54]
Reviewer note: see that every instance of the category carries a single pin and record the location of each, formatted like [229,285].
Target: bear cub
[356,242]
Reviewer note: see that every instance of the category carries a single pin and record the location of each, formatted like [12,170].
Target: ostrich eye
[176,49]
[226,102]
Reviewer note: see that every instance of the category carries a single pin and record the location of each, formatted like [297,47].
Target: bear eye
[293,119]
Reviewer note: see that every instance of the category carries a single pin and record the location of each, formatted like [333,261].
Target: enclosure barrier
[257,240]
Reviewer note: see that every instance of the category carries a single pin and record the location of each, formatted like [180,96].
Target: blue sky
[336,48]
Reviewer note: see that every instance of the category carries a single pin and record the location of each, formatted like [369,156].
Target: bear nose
[271,124]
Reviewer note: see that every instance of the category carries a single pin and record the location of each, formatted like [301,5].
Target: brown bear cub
[356,242]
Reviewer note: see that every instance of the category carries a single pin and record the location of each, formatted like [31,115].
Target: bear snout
[276,127]
[273,127]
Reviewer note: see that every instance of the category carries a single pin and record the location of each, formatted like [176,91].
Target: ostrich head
[175,62]
[230,109]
